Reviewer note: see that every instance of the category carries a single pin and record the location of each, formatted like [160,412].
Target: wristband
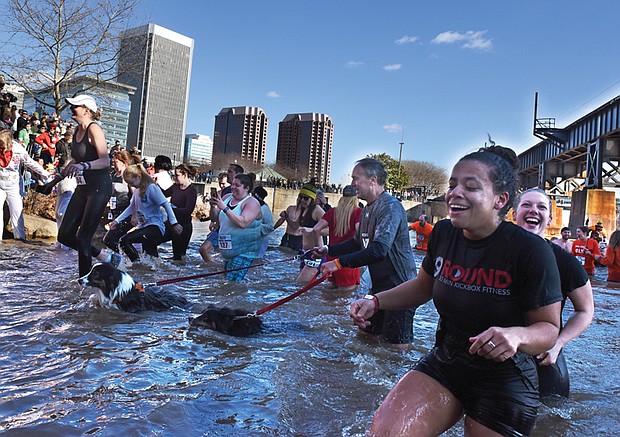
[226,209]
[375,300]
[88,164]
[83,165]
[337,262]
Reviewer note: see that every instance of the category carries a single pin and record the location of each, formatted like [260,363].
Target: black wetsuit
[479,284]
[86,205]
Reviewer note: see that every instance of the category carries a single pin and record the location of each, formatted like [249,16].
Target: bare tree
[429,179]
[51,42]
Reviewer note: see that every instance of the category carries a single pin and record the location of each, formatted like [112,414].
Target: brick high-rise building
[241,131]
[305,145]
[158,62]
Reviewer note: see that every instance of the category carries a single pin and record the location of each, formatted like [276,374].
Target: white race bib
[225,242]
[79,178]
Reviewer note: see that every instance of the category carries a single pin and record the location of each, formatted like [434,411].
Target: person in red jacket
[585,249]
[44,139]
[612,257]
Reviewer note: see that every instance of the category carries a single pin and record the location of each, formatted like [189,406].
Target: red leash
[315,281]
[204,275]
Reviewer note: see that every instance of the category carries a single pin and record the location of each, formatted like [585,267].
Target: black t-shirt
[572,273]
[489,282]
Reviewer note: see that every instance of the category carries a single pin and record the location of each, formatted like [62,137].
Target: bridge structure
[583,155]
[576,164]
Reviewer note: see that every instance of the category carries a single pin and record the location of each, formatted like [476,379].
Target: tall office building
[305,145]
[158,62]
[198,149]
[241,131]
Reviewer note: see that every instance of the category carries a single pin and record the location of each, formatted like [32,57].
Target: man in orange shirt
[422,230]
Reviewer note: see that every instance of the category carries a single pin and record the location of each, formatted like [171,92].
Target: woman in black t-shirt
[496,288]
[532,212]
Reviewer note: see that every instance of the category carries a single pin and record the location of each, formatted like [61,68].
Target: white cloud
[471,40]
[394,127]
[392,67]
[273,94]
[407,39]
[354,64]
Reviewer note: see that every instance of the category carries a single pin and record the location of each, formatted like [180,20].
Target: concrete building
[113,100]
[158,62]
[241,131]
[198,149]
[305,145]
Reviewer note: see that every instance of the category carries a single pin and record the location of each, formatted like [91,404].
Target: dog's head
[228,321]
[112,282]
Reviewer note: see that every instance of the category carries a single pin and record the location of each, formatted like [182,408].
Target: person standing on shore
[381,243]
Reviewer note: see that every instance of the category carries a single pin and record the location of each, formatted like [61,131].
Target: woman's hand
[498,344]
[72,170]
[549,357]
[362,310]
[112,225]
[177,229]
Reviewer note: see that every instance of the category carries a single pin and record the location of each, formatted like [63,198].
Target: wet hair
[503,164]
[162,162]
[137,171]
[123,156]
[187,169]
[246,181]
[374,167]
[614,239]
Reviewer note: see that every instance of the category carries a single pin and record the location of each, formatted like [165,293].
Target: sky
[437,75]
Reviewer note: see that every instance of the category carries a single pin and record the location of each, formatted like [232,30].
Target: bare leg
[417,405]
[473,428]
[205,251]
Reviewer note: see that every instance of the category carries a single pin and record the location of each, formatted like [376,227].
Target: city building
[305,145]
[113,100]
[241,131]
[158,62]
[198,150]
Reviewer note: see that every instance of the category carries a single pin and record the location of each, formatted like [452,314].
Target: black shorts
[501,396]
[293,241]
[396,327]
[554,379]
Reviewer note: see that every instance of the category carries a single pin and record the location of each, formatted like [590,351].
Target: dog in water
[228,321]
[117,289]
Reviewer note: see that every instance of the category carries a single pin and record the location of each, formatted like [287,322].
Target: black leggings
[148,236]
[179,242]
[82,218]
[113,236]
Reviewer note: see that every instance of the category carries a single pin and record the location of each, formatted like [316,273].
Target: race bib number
[79,178]
[225,242]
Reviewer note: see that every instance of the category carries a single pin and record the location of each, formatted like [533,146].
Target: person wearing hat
[381,243]
[90,166]
[598,227]
[422,230]
[342,222]
[266,226]
[305,213]
[48,147]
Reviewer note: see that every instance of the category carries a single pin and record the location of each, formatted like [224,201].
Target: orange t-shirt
[421,234]
[579,250]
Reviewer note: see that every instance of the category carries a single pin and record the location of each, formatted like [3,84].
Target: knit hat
[349,191]
[308,190]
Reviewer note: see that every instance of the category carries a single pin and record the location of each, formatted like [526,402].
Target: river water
[69,367]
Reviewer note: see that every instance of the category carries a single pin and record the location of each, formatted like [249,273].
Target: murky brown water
[69,367]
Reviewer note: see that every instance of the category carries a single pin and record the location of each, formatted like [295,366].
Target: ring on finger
[504,357]
[491,344]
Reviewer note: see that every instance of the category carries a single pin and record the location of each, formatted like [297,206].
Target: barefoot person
[498,308]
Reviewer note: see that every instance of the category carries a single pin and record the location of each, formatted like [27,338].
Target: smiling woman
[497,308]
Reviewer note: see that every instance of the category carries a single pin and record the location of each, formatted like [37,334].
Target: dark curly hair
[503,165]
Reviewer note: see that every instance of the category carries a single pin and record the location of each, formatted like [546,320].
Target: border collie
[117,289]
[228,321]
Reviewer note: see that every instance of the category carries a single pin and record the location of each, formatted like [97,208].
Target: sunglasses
[302,197]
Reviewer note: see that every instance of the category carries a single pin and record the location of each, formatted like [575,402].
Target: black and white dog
[229,321]
[117,289]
